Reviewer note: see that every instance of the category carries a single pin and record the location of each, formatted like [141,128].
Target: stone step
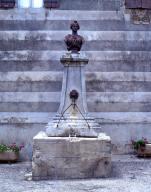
[94,66]
[29,106]
[24,15]
[50,76]
[86,25]
[89,36]
[92,55]
[118,76]
[91,4]
[95,81]
[118,97]
[25,117]
[119,107]
[91,86]
[92,97]
[124,65]
[28,76]
[32,25]
[112,86]
[17,66]
[98,45]
[49,102]
[92,107]
[94,40]
[41,19]
[26,97]
[46,86]
[101,117]
[122,117]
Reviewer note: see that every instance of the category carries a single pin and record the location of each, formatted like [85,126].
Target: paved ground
[129,175]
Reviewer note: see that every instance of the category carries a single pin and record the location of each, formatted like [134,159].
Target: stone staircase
[118,75]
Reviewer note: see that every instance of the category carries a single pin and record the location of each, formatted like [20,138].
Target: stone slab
[71,157]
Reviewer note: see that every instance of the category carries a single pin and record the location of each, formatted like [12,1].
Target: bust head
[74,26]
[74,41]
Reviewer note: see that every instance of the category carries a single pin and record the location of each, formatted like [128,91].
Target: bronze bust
[74,42]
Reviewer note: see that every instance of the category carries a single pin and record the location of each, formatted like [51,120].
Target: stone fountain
[70,148]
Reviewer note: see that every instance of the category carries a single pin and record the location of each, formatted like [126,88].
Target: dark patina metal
[74,41]
[74,94]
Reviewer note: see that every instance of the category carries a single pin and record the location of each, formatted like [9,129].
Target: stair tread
[88,35]
[41,14]
[102,117]
[27,55]
[48,76]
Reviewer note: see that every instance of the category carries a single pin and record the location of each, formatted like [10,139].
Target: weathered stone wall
[118,75]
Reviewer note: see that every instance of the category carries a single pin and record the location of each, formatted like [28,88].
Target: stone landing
[71,157]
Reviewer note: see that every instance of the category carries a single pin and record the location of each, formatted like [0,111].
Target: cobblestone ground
[129,175]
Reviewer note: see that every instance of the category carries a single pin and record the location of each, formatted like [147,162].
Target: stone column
[73,79]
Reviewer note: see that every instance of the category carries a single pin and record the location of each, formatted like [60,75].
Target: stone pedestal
[71,157]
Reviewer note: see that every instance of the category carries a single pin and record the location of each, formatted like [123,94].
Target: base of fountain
[72,126]
[71,157]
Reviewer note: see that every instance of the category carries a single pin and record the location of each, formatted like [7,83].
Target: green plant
[13,147]
[139,144]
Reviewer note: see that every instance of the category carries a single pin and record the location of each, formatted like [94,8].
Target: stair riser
[95,97]
[93,107]
[101,117]
[29,107]
[103,66]
[30,86]
[88,46]
[8,66]
[89,36]
[116,65]
[90,4]
[119,107]
[44,15]
[59,25]
[47,55]
[49,76]
[64,25]
[92,86]
[98,86]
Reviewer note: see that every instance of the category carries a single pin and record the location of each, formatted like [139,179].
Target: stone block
[70,157]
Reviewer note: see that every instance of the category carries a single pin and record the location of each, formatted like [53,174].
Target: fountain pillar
[72,118]
[74,79]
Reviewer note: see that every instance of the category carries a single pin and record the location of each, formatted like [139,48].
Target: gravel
[129,174]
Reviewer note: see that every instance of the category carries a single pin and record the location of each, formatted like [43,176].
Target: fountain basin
[71,157]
